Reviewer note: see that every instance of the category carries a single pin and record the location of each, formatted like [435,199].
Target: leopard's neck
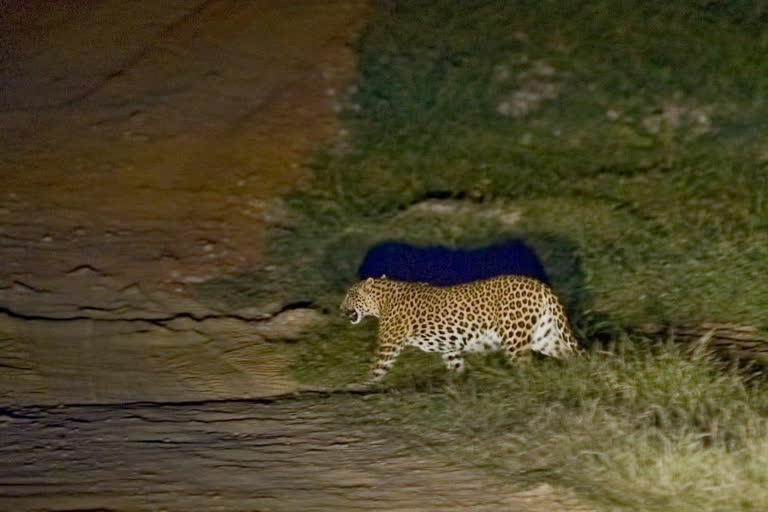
[389,293]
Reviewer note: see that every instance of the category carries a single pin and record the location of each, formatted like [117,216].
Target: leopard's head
[360,301]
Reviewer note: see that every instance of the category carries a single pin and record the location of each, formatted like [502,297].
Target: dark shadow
[441,266]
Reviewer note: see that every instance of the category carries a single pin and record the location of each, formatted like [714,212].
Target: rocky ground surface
[142,149]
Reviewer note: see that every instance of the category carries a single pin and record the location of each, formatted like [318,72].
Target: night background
[190,187]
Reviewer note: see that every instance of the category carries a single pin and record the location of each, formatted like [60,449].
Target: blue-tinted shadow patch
[441,266]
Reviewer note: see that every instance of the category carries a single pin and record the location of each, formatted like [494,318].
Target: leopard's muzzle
[353,315]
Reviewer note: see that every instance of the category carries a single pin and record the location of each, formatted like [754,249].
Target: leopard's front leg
[389,346]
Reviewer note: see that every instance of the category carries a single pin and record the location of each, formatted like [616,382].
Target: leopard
[515,314]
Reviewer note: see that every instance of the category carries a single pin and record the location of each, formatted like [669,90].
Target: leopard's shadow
[443,266]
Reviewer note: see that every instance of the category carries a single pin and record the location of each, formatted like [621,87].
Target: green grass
[642,427]
[646,162]
[627,141]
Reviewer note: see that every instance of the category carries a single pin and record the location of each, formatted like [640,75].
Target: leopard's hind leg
[552,335]
[453,361]
[517,348]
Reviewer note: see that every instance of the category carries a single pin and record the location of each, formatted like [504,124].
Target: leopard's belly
[473,341]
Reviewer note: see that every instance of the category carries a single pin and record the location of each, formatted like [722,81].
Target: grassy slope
[630,137]
[647,154]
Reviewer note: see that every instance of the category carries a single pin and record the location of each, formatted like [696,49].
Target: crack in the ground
[158,321]
[5,364]
[26,411]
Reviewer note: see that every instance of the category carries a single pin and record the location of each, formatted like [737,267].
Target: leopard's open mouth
[354,316]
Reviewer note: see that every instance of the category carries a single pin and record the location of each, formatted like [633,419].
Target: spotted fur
[511,313]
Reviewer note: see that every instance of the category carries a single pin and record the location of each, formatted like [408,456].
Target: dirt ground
[288,455]
[142,146]
[138,156]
